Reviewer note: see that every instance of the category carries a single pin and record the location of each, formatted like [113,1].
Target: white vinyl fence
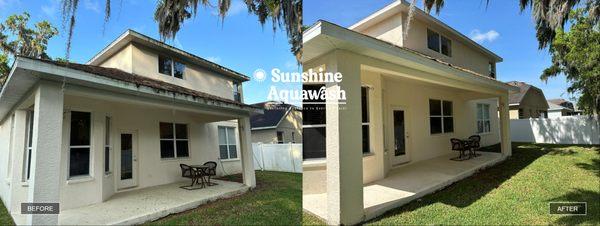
[562,130]
[278,157]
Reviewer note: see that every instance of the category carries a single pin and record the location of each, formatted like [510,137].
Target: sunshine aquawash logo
[324,86]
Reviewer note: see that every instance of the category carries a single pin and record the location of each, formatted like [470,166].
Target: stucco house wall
[152,170]
[141,60]
[463,54]
[386,92]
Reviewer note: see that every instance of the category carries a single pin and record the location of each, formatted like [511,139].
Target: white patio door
[127,160]
[399,136]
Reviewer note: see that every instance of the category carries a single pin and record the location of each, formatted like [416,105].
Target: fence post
[262,157]
[292,157]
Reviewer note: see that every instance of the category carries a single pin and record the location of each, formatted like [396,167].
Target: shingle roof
[273,113]
[139,80]
[516,98]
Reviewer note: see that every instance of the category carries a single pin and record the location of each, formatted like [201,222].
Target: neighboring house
[389,142]
[561,107]
[79,134]
[529,102]
[280,123]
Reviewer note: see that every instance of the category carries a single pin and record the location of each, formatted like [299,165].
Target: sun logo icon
[260,75]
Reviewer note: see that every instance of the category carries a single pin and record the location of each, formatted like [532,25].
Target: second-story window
[168,66]
[439,43]
[492,69]
[237,96]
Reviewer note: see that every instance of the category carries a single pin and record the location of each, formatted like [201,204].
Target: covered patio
[109,146]
[389,142]
[407,183]
[147,204]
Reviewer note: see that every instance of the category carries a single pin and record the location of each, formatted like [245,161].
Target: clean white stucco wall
[386,92]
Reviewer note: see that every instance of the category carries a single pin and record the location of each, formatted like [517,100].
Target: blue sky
[501,27]
[240,43]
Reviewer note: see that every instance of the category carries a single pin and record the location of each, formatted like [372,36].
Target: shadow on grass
[579,195]
[467,191]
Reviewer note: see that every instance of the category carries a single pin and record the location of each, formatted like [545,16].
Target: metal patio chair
[474,145]
[210,172]
[189,172]
[461,146]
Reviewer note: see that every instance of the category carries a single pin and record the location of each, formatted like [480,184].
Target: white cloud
[489,36]
[214,59]
[51,9]
[92,5]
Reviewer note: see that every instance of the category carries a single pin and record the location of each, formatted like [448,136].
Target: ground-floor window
[441,118]
[174,141]
[29,148]
[366,141]
[79,144]
[313,124]
[227,142]
[280,137]
[107,148]
[483,118]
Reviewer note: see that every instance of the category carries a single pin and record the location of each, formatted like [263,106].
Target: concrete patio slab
[147,204]
[407,183]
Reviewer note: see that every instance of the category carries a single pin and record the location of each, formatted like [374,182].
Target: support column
[246,151]
[45,162]
[505,126]
[343,145]
[17,159]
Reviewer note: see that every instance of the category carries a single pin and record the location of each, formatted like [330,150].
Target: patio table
[200,168]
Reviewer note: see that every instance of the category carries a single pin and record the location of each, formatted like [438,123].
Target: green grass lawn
[5,218]
[516,191]
[277,200]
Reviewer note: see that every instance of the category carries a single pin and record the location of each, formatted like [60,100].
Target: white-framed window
[483,118]
[492,69]
[237,94]
[80,143]
[107,147]
[171,67]
[280,137]
[439,43]
[441,118]
[227,142]
[364,101]
[174,140]
[28,146]
[313,124]
[293,137]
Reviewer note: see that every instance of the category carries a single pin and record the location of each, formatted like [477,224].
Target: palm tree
[171,14]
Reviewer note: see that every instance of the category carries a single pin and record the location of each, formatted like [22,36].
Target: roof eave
[47,71]
[334,32]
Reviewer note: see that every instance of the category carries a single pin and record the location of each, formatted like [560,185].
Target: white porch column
[505,126]
[246,151]
[45,161]
[344,145]
[18,155]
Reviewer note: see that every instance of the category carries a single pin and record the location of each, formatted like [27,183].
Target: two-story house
[80,134]
[389,141]
[529,102]
[281,123]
